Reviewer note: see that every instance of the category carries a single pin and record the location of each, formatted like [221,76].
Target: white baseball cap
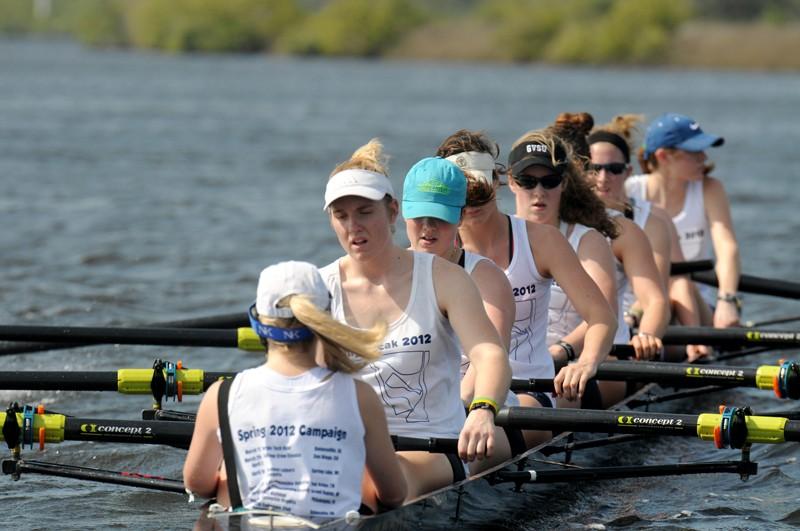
[289,278]
[361,183]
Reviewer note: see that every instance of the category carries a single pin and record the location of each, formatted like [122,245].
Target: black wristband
[569,350]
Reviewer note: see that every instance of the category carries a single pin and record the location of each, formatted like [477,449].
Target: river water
[141,187]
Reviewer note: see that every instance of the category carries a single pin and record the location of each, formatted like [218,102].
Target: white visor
[361,183]
[476,163]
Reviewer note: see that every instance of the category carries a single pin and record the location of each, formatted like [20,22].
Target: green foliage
[210,25]
[100,23]
[16,16]
[587,31]
[353,27]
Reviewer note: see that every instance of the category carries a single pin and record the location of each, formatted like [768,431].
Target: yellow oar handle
[766,375]
[52,423]
[137,381]
[248,340]
[768,430]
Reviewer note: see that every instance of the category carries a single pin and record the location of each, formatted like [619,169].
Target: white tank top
[691,223]
[417,376]
[299,441]
[562,318]
[623,334]
[528,355]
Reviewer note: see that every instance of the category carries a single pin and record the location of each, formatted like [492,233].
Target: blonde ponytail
[345,348]
[369,157]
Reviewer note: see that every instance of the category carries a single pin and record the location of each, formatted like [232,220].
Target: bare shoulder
[541,233]
[714,186]
[446,271]
[368,402]
[488,276]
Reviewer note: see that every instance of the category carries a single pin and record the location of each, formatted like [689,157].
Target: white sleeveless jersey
[417,376]
[299,441]
[528,354]
[562,318]
[691,223]
[470,261]
[623,334]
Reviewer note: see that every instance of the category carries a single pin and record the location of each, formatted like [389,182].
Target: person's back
[301,451]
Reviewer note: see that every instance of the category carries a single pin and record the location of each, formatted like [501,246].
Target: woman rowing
[296,437]
[434,310]
[610,149]
[531,256]
[572,208]
[677,180]
[432,215]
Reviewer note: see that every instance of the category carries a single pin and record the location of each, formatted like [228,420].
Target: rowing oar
[243,338]
[26,427]
[222,321]
[171,381]
[16,467]
[730,337]
[783,379]
[753,284]
[733,427]
[684,268]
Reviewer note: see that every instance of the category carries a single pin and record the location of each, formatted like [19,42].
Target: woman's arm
[597,260]
[556,259]
[202,465]
[498,299]
[385,478]
[460,301]
[633,249]
[726,250]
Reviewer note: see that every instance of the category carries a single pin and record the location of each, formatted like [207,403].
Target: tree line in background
[565,31]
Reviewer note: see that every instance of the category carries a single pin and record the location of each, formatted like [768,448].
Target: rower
[434,310]
[610,146]
[677,179]
[634,265]
[296,437]
[432,218]
[531,256]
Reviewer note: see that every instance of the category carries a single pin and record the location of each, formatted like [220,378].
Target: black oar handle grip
[684,268]
[433,445]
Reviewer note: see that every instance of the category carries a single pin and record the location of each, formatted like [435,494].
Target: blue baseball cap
[672,130]
[434,188]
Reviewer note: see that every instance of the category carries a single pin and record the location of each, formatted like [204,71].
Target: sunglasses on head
[612,167]
[548,182]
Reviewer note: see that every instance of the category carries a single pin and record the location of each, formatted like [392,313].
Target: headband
[611,138]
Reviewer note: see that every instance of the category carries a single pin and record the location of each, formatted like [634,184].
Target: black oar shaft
[59,381]
[597,421]
[747,468]
[753,284]
[675,374]
[92,474]
[123,335]
[683,268]
[230,320]
[177,434]
[728,337]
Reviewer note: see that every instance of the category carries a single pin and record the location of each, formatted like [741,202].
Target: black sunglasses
[548,182]
[613,167]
